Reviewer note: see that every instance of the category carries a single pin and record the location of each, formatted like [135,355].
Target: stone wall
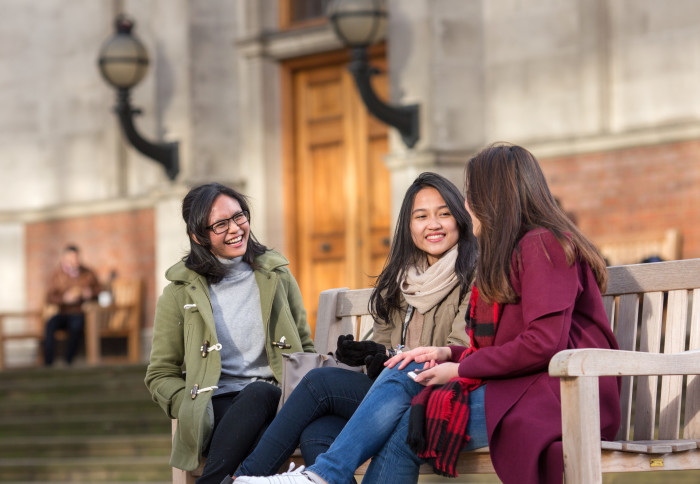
[643,190]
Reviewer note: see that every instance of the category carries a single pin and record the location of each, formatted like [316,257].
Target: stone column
[13,297]
[260,151]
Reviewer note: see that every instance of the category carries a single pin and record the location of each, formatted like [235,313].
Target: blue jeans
[379,428]
[314,415]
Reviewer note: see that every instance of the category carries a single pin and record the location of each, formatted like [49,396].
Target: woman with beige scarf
[420,299]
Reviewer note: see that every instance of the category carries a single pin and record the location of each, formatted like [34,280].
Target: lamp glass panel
[362,30]
[123,61]
[359,22]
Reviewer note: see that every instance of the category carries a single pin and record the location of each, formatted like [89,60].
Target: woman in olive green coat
[231,308]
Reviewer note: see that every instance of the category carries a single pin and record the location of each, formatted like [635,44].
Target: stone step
[98,469]
[100,424]
[40,376]
[82,424]
[31,391]
[99,404]
[87,446]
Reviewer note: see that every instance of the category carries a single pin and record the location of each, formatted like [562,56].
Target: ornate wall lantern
[358,24]
[123,62]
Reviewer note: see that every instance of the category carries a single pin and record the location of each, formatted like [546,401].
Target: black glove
[353,353]
[375,364]
[339,354]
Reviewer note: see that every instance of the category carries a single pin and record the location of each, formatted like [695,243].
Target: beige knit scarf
[425,286]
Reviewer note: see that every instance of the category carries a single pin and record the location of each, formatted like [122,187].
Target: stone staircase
[95,425]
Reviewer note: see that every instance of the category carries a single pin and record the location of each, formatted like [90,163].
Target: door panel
[337,182]
[379,207]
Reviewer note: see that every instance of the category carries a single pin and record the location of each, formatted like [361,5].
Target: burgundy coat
[559,307]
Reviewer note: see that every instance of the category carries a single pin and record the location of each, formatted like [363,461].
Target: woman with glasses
[420,299]
[231,308]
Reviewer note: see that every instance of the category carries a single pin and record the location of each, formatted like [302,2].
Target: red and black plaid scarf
[482,320]
[437,429]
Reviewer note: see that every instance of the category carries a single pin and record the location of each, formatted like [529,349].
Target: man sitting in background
[70,286]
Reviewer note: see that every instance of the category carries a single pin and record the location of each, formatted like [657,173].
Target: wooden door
[338,187]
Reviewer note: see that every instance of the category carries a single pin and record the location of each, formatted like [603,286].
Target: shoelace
[283,478]
[292,474]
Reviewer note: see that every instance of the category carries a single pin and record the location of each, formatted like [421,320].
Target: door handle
[325,247]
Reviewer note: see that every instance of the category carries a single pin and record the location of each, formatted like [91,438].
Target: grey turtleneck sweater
[235,302]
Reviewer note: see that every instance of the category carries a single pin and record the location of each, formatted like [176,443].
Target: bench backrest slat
[626,333]
[659,276]
[366,327]
[328,327]
[609,303]
[672,386]
[691,426]
[650,342]
[353,303]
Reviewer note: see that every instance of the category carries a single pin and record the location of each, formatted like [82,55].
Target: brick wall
[123,242]
[632,191]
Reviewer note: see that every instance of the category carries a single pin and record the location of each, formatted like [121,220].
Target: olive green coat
[184,322]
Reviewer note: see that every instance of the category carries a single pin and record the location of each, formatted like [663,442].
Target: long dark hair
[386,296]
[195,211]
[508,194]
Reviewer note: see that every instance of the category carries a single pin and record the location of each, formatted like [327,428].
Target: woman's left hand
[438,374]
[422,354]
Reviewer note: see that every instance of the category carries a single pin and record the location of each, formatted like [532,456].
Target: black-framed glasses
[222,226]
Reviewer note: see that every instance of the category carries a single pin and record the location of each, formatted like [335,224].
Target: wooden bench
[646,304]
[21,326]
[121,319]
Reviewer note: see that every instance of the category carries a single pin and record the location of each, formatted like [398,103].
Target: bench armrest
[599,362]
[579,371]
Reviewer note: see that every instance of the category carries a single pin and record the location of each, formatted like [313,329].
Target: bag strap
[406,320]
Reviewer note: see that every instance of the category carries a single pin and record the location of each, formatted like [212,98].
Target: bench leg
[134,343]
[182,477]
[92,340]
[581,430]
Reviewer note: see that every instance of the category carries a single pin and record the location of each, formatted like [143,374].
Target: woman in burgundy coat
[542,281]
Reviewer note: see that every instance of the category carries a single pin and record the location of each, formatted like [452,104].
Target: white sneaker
[290,477]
